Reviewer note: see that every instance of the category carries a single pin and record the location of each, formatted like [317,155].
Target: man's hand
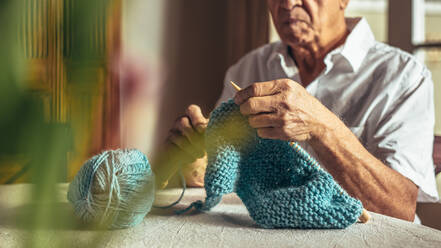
[283,109]
[187,135]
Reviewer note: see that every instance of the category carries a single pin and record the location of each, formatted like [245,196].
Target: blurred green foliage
[25,132]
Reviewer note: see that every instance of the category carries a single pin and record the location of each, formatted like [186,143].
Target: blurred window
[375,12]
[432,21]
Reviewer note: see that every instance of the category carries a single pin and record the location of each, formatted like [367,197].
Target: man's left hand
[283,109]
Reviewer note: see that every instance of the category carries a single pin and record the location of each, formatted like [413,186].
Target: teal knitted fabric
[281,186]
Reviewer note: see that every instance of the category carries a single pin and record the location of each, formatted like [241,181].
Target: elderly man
[362,108]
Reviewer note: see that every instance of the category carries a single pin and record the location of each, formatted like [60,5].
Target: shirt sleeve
[404,137]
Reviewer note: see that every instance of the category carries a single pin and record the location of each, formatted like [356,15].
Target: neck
[310,57]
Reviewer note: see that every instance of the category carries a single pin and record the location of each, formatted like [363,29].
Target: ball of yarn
[114,189]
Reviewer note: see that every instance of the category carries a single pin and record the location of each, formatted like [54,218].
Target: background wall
[202,39]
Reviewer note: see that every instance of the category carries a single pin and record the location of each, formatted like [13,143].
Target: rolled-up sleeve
[404,137]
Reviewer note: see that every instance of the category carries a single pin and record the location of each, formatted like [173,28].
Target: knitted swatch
[281,186]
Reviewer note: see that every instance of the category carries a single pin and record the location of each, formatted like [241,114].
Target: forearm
[380,188]
[284,110]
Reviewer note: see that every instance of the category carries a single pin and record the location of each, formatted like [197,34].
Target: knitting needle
[235,86]
[364,217]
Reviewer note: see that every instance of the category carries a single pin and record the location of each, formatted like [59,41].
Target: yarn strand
[184,187]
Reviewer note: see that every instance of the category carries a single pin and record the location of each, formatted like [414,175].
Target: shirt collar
[280,57]
[358,42]
[354,50]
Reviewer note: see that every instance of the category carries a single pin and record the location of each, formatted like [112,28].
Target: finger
[264,120]
[184,144]
[291,133]
[258,105]
[176,154]
[198,120]
[198,141]
[184,127]
[256,89]
[272,133]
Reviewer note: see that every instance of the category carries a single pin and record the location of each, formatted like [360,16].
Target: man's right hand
[187,136]
[188,133]
[184,148]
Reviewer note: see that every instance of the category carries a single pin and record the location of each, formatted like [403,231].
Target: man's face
[300,22]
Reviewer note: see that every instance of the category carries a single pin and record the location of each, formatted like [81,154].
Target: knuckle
[192,111]
[283,98]
[283,83]
[287,100]
[251,103]
[284,103]
[192,108]
[255,89]
[182,124]
[247,107]
[195,114]
[292,93]
[252,121]
[284,119]
[288,81]
[287,84]
[284,130]
[198,122]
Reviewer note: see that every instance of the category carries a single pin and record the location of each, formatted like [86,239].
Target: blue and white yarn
[115,189]
[281,186]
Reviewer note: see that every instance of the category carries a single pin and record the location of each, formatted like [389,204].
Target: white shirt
[384,96]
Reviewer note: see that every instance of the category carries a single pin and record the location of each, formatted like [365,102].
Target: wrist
[327,131]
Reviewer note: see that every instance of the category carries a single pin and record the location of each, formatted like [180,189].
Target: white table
[227,225]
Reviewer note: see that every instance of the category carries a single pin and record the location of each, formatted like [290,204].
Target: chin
[297,35]
[297,41]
